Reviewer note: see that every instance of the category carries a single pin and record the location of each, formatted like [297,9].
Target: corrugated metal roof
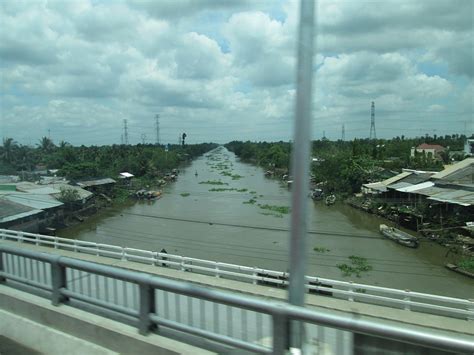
[96,182]
[396,178]
[399,185]
[83,194]
[382,185]
[459,197]
[36,201]
[414,188]
[19,216]
[417,178]
[453,168]
[8,208]
[48,190]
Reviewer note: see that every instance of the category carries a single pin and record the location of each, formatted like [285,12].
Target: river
[220,226]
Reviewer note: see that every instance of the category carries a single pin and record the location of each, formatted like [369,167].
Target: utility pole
[343,133]
[372,122]
[157,126]
[125,132]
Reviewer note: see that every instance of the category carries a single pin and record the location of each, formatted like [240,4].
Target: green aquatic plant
[252,201]
[321,249]
[278,215]
[274,208]
[185,194]
[213,182]
[358,265]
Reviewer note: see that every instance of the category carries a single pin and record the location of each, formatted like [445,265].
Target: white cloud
[226,70]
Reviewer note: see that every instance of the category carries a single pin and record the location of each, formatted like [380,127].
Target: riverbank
[200,220]
[457,244]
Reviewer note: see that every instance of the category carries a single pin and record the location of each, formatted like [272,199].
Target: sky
[225,70]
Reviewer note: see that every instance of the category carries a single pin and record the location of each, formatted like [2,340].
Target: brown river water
[219,226]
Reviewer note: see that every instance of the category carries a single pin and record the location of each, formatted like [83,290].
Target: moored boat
[459,270]
[399,236]
[330,200]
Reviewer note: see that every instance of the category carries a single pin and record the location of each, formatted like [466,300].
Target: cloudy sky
[223,70]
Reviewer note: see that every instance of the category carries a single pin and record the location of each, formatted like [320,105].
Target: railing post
[351,290]
[470,308]
[58,281]
[55,242]
[407,300]
[124,255]
[281,333]
[255,275]
[147,306]
[37,239]
[75,245]
[217,270]
[183,268]
[2,269]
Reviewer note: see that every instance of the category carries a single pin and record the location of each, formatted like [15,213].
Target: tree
[9,148]
[46,145]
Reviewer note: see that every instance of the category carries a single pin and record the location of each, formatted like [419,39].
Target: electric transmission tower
[343,133]
[372,122]
[157,126]
[125,132]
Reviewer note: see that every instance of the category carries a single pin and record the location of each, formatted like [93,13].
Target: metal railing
[356,292]
[58,275]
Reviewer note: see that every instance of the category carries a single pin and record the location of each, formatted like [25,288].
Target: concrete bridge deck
[410,319]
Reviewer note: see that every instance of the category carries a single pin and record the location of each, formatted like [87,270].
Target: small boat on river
[399,236]
[459,270]
[330,200]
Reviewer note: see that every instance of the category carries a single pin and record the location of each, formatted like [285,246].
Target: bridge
[181,305]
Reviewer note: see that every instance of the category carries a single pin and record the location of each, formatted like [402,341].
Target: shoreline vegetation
[342,167]
[151,166]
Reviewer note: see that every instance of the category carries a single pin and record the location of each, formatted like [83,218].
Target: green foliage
[321,249]
[86,162]
[252,201]
[213,182]
[467,264]
[358,265]
[185,194]
[274,208]
[345,165]
[68,195]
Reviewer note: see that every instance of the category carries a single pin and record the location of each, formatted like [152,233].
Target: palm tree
[9,148]
[46,145]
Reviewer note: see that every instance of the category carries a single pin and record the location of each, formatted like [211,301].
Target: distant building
[433,150]
[469,147]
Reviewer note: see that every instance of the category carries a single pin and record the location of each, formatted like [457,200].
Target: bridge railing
[355,292]
[77,282]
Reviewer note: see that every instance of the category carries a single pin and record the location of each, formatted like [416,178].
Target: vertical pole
[58,281]
[2,269]
[300,164]
[147,306]
[280,334]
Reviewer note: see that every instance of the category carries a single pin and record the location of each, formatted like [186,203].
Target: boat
[399,236]
[459,270]
[196,173]
[148,194]
[317,194]
[330,200]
